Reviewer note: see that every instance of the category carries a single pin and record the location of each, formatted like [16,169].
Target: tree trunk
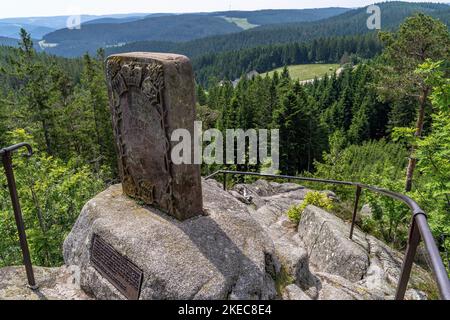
[97,127]
[419,129]
[410,171]
[47,137]
[39,211]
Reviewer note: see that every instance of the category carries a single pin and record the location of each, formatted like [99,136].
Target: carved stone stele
[152,94]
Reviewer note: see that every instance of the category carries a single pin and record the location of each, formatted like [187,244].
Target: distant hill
[171,28]
[266,17]
[197,34]
[352,22]
[112,20]
[40,26]
[125,19]
[174,28]
[12,30]
[59,22]
[10,42]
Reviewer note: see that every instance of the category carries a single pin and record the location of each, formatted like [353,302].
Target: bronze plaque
[119,270]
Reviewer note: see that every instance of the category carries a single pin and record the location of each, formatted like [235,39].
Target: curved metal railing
[419,228]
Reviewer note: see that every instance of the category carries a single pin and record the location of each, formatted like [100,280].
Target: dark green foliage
[201,95]
[169,27]
[378,163]
[52,194]
[64,114]
[368,162]
[305,114]
[432,187]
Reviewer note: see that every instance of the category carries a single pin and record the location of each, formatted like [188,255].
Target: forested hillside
[352,22]
[383,121]
[210,68]
[174,28]
[265,17]
[168,28]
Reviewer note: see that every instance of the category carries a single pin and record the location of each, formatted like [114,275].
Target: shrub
[294,213]
[52,194]
[315,198]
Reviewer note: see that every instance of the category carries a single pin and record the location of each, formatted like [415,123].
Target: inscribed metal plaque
[117,269]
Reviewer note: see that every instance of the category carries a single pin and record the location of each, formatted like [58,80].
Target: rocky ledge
[224,254]
[54,284]
[244,247]
[319,259]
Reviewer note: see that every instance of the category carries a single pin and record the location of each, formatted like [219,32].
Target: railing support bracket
[355,210]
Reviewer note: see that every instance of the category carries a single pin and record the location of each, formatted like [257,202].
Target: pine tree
[36,88]
[201,96]
[419,38]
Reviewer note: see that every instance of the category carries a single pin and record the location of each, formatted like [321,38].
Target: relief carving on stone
[144,83]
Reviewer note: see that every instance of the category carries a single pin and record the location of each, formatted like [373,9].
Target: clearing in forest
[241,23]
[308,71]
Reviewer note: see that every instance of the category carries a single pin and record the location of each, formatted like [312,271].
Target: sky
[38,8]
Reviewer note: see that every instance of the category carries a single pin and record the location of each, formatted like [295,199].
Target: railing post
[225,181]
[7,164]
[355,210]
[413,242]
[443,237]
[437,265]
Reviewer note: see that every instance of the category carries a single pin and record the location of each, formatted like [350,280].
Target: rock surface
[329,248]
[318,254]
[334,287]
[293,292]
[224,255]
[239,250]
[53,284]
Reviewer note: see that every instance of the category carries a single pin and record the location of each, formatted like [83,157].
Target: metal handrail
[6,156]
[419,228]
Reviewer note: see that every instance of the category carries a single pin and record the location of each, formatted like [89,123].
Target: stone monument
[152,94]
[177,241]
